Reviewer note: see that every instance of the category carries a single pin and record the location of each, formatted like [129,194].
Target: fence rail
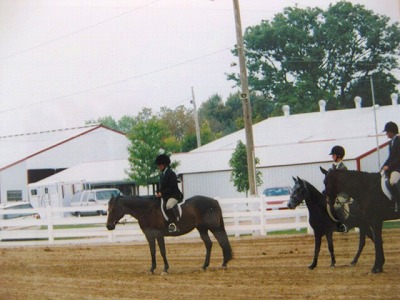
[57,225]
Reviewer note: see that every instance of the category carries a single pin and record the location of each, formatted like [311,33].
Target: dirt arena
[273,267]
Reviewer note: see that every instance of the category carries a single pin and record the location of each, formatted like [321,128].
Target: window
[14,195]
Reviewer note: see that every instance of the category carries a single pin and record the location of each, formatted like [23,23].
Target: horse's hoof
[150,272]
[332,266]
[353,264]
[164,273]
[223,267]
[376,270]
[311,267]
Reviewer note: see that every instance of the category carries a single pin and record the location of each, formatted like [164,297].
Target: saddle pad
[384,187]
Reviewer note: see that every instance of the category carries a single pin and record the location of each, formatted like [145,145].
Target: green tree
[147,139]
[239,175]
[304,55]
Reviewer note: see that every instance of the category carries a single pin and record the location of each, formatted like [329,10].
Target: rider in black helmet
[168,190]
[338,153]
[392,164]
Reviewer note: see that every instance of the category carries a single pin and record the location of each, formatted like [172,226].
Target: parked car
[18,215]
[277,195]
[95,197]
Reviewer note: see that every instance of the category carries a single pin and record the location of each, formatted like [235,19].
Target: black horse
[198,212]
[375,207]
[319,219]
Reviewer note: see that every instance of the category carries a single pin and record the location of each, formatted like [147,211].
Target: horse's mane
[314,192]
[138,202]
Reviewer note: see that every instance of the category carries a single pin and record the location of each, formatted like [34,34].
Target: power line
[77,31]
[115,82]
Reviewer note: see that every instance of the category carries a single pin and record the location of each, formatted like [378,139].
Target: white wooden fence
[248,216]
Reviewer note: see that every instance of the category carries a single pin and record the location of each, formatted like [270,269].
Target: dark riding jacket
[393,161]
[168,185]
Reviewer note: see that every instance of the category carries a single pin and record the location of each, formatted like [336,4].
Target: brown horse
[375,207]
[198,212]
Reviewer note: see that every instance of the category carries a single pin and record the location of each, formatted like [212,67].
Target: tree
[147,138]
[305,55]
[239,175]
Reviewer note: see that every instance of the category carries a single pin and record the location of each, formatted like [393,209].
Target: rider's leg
[172,214]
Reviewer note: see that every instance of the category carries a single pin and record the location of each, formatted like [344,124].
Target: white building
[293,145]
[28,158]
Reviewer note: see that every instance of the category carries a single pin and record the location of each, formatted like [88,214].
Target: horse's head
[298,194]
[115,212]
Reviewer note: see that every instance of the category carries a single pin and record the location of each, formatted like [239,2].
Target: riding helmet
[163,159]
[391,127]
[338,150]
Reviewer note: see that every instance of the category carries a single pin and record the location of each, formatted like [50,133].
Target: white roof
[92,172]
[15,148]
[297,139]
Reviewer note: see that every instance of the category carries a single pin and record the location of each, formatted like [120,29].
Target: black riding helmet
[391,127]
[338,150]
[163,159]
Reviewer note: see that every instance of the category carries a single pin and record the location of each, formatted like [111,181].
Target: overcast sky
[66,61]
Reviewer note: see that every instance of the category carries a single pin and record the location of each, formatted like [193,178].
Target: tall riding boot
[173,216]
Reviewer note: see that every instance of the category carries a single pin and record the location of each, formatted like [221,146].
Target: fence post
[50,228]
[236,220]
[263,212]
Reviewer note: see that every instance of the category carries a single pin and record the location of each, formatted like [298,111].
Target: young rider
[392,164]
[168,190]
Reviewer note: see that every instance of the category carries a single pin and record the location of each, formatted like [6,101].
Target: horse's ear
[323,170]
[294,179]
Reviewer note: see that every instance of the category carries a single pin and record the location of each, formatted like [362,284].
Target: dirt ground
[263,268]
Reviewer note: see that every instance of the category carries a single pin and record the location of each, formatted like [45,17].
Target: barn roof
[91,172]
[16,148]
[298,139]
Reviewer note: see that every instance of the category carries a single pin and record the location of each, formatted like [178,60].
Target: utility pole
[245,101]
[196,120]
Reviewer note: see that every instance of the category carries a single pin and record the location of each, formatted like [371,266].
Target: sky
[63,62]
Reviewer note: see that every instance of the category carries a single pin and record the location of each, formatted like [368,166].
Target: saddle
[387,189]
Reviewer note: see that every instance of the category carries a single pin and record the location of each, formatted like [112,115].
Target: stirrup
[172,228]
[343,228]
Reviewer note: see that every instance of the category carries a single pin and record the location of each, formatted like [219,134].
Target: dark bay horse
[319,219]
[375,207]
[198,212]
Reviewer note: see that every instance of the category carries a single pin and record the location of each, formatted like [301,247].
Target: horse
[320,220]
[198,212]
[375,207]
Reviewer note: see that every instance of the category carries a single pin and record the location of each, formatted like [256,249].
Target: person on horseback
[392,165]
[338,153]
[168,190]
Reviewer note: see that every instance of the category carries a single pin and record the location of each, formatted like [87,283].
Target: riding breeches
[171,203]
[394,177]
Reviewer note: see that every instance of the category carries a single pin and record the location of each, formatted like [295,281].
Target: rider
[168,190]
[392,164]
[338,153]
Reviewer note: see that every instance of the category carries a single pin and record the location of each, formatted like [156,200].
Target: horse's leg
[152,244]
[317,247]
[361,244]
[223,241]
[161,245]
[379,254]
[208,243]
[329,238]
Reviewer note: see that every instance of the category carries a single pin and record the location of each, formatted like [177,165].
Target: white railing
[244,216]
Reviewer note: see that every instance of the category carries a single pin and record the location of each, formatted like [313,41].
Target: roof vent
[322,105]
[286,110]
[357,101]
[394,97]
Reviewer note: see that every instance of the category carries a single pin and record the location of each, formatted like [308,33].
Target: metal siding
[13,178]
